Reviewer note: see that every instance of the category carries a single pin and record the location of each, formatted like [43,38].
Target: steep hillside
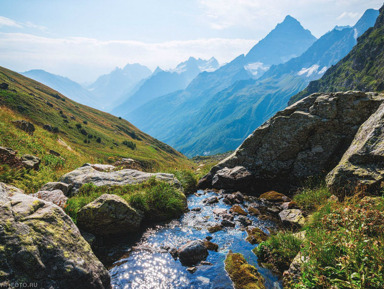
[362,69]
[162,82]
[78,133]
[110,88]
[64,85]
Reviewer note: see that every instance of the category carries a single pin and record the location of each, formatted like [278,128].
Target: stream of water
[147,265]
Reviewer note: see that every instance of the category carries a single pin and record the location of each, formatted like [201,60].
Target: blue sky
[83,39]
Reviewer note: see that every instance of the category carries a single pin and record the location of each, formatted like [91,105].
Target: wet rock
[274,209]
[306,139]
[238,210]
[236,198]
[288,205]
[196,209]
[52,186]
[56,196]
[253,211]
[244,221]
[255,235]
[173,252]
[93,174]
[219,211]
[209,238]
[206,263]
[30,162]
[242,274]
[211,246]
[26,126]
[228,217]
[214,228]
[231,178]
[41,244]
[107,215]
[192,269]
[192,253]
[274,197]
[292,217]
[227,223]
[211,200]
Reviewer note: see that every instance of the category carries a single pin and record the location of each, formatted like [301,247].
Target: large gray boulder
[108,215]
[307,138]
[95,174]
[40,244]
[362,166]
[192,253]
[52,186]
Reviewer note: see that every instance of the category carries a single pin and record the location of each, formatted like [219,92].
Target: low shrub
[158,200]
[188,180]
[278,251]
[310,199]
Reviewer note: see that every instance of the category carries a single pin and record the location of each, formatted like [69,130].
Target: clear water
[148,265]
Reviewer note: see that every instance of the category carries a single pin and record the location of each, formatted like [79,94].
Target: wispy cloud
[84,59]
[352,15]
[8,22]
[4,21]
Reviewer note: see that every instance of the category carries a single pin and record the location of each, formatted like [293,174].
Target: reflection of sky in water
[149,266]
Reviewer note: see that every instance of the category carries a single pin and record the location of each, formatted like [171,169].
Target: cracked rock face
[39,243]
[362,166]
[308,138]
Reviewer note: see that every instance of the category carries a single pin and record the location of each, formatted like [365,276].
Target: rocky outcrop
[56,196]
[30,162]
[26,126]
[242,274]
[9,157]
[293,217]
[308,138]
[40,244]
[362,166]
[192,253]
[52,186]
[107,215]
[103,175]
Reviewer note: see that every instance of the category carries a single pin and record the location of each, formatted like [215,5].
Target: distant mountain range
[64,85]
[217,111]
[111,88]
[163,82]
[362,69]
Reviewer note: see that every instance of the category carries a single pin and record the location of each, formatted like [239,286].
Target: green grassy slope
[362,69]
[99,139]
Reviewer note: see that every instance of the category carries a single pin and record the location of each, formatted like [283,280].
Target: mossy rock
[242,274]
[273,196]
[237,209]
[255,235]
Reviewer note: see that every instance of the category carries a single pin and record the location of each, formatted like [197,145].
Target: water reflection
[149,265]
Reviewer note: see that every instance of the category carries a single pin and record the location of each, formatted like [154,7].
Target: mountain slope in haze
[82,134]
[175,108]
[286,41]
[226,118]
[162,82]
[110,88]
[362,69]
[64,85]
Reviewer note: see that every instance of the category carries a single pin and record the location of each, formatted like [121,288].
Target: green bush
[158,200]
[345,246]
[129,144]
[310,199]
[278,251]
[188,180]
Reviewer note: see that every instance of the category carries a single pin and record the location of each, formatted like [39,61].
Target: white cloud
[4,21]
[352,15]
[84,59]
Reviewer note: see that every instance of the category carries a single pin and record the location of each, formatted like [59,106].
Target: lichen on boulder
[242,274]
[40,244]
